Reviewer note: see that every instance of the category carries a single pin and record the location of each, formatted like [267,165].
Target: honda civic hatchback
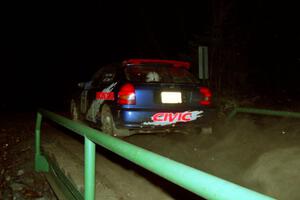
[144,96]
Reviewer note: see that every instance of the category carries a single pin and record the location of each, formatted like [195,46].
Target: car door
[83,101]
[101,91]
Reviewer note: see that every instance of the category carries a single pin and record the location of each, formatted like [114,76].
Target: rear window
[152,74]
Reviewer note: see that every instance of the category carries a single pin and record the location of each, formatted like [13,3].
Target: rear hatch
[165,92]
[167,96]
[164,87]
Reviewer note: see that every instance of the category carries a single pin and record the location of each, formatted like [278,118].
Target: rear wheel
[108,124]
[74,110]
[106,120]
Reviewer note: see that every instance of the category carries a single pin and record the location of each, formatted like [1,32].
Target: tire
[74,110]
[108,124]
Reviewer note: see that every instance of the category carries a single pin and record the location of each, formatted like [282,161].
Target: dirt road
[260,153]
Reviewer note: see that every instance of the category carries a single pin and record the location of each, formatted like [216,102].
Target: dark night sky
[48,46]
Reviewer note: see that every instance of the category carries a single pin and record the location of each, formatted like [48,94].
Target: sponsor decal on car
[105,95]
[167,118]
[95,107]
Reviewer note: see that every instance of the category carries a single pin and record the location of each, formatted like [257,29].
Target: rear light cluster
[206,96]
[126,95]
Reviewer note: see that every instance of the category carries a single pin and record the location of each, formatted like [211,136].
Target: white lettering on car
[95,106]
[165,118]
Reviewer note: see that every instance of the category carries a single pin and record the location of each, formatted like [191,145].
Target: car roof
[157,62]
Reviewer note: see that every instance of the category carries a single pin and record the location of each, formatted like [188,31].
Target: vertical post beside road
[89,169]
[41,164]
[38,134]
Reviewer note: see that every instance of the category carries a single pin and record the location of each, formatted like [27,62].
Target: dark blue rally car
[144,96]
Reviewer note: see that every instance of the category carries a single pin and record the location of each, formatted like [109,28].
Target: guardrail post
[41,164]
[89,169]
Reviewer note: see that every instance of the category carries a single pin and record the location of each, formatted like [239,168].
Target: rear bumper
[150,120]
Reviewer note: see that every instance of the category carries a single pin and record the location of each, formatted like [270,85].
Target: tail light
[126,94]
[206,96]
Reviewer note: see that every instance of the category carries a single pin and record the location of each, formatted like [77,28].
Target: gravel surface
[18,180]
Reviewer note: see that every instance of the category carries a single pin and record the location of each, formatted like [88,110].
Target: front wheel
[74,110]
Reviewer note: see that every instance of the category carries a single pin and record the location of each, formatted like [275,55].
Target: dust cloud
[261,153]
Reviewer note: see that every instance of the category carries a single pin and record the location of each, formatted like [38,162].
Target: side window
[97,77]
[108,77]
[104,76]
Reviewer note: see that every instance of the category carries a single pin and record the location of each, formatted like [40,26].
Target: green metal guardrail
[263,112]
[196,181]
[62,186]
